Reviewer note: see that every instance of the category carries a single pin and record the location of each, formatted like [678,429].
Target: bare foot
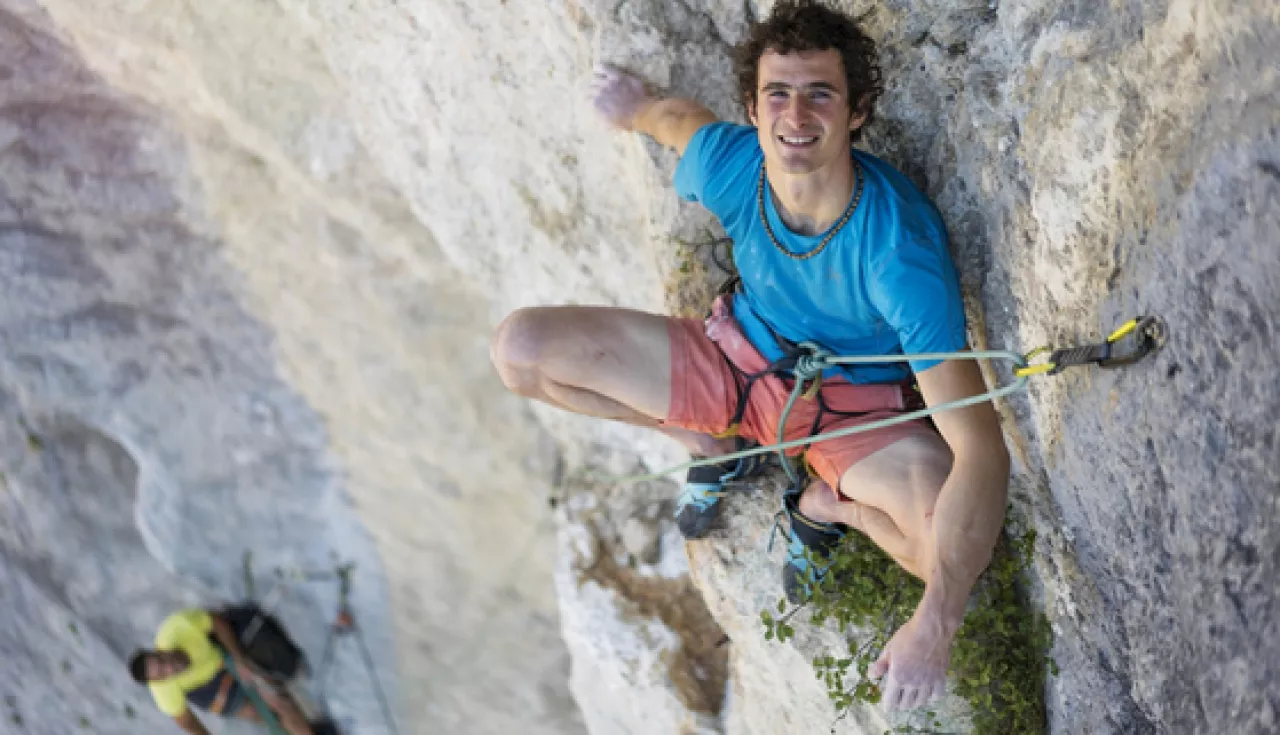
[819,503]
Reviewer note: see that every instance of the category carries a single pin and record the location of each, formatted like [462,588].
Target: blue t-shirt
[885,284]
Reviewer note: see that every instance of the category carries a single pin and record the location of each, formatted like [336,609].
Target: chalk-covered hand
[912,669]
[618,95]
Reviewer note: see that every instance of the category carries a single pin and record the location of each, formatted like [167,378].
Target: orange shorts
[709,363]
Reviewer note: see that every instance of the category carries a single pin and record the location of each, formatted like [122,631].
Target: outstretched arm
[625,102]
[967,519]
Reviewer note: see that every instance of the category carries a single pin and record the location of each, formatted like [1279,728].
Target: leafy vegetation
[998,661]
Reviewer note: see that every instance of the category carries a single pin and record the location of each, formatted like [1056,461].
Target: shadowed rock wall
[196,306]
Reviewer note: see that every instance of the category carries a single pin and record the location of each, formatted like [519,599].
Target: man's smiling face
[802,111]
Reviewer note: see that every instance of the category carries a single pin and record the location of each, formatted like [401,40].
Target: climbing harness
[1131,342]
[343,626]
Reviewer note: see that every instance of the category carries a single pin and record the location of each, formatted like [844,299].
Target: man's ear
[751,112]
[861,111]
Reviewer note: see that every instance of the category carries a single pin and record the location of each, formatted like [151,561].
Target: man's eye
[820,96]
[777,94]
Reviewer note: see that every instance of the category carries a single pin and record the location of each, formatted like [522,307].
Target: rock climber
[186,668]
[834,247]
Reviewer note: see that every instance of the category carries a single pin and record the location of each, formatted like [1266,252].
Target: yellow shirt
[186,631]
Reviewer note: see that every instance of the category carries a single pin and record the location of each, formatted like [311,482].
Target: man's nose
[797,110]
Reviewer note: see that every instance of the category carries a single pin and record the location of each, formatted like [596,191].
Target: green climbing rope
[811,366]
[268,717]
[1132,341]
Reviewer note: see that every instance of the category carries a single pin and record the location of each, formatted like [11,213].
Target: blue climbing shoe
[699,501]
[820,539]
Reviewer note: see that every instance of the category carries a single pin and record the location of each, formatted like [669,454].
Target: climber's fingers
[618,96]
[880,667]
[900,694]
[891,693]
[912,697]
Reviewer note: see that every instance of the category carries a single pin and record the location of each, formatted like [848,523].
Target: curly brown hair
[808,25]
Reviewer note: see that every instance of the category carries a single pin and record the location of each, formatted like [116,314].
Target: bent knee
[519,346]
[903,479]
[522,338]
[930,469]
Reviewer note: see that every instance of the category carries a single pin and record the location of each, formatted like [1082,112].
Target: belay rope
[344,625]
[255,699]
[1129,343]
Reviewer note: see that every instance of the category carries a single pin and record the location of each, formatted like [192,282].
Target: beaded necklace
[844,218]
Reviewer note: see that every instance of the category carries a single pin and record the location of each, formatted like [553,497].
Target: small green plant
[688,253]
[999,658]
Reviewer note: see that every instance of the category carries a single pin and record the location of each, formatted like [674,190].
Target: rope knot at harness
[812,361]
[1133,341]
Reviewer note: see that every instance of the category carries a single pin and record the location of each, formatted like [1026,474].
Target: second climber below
[834,247]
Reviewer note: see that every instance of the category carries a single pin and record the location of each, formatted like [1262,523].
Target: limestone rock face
[250,255]
[647,654]
[223,331]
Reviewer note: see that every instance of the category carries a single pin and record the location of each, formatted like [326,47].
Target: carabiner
[1134,340]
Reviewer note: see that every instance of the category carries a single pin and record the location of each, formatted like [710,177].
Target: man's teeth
[797,141]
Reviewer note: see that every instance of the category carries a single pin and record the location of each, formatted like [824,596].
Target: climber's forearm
[966,525]
[672,121]
[969,511]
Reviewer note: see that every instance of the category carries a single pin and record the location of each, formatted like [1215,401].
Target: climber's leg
[889,495]
[604,362]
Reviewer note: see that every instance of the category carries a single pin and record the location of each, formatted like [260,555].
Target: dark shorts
[236,700]
[709,362]
[206,695]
